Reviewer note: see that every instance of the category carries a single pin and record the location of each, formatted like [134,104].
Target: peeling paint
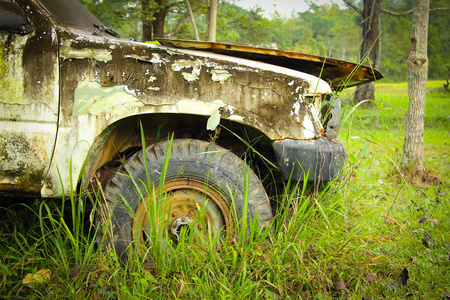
[220,75]
[156,59]
[296,110]
[187,64]
[309,131]
[97,54]
[93,98]
[199,107]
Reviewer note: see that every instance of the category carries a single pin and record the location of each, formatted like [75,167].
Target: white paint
[220,75]
[183,64]
[97,54]
[93,98]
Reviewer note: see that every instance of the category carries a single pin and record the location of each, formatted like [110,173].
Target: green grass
[370,222]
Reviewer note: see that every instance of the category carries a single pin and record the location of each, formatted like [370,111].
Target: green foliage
[439,42]
[324,30]
[122,15]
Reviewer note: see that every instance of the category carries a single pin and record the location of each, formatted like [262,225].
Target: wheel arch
[122,138]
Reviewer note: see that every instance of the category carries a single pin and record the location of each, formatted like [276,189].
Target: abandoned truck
[78,101]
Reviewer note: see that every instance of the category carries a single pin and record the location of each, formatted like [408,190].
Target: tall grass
[364,229]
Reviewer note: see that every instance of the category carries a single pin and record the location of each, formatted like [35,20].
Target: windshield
[70,13]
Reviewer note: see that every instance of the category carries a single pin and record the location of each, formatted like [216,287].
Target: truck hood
[338,73]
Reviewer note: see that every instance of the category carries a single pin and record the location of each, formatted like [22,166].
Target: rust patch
[32,182]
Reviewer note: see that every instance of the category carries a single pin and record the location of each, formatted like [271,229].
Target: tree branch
[393,13]
[349,3]
[177,27]
[390,12]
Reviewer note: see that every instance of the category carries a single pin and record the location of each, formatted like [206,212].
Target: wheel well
[123,138]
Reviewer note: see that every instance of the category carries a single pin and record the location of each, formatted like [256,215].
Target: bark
[147,20]
[194,23]
[370,47]
[159,18]
[212,20]
[412,160]
[153,19]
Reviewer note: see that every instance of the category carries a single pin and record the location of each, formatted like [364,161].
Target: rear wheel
[206,189]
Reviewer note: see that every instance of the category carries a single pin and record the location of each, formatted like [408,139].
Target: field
[371,234]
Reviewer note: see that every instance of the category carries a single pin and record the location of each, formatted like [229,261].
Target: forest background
[325,30]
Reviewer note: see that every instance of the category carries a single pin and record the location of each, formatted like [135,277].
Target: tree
[212,21]
[371,46]
[412,160]
[153,16]
[374,9]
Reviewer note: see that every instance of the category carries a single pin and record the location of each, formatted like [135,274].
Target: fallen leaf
[339,286]
[446,296]
[74,271]
[402,227]
[40,277]
[427,240]
[371,277]
[28,280]
[413,260]
[388,220]
[402,280]
[433,221]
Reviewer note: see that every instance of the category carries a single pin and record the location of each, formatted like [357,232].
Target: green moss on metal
[11,69]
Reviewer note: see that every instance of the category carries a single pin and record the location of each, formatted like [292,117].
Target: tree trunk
[412,160]
[153,19]
[159,17]
[147,20]
[212,20]
[194,23]
[370,47]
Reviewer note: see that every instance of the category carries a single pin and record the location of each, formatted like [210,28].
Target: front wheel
[206,188]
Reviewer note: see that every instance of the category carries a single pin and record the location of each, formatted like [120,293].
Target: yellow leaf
[38,278]
[28,280]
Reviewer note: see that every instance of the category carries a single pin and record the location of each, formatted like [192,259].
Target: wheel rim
[188,204]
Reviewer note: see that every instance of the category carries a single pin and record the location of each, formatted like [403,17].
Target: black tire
[195,169]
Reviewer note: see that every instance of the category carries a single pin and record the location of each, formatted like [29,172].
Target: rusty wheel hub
[189,205]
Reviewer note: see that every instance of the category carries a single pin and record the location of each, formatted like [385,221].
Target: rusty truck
[83,108]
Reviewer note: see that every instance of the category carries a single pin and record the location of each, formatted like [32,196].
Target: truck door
[29,97]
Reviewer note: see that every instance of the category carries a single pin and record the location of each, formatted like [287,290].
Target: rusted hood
[338,73]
